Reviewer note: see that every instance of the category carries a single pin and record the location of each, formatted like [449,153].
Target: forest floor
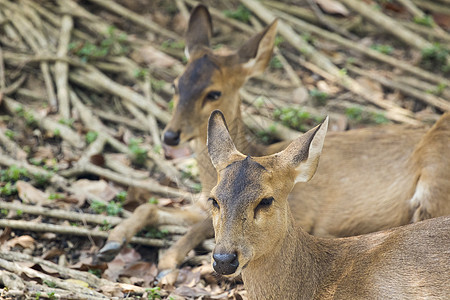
[85,92]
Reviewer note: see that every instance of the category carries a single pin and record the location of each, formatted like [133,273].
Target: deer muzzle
[225,263]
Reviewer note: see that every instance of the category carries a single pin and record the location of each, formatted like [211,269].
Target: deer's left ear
[199,29]
[256,53]
[220,145]
[303,154]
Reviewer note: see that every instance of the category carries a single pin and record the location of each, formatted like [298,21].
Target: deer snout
[171,138]
[225,263]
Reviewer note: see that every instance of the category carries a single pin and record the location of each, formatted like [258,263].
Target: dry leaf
[100,188]
[333,7]
[30,194]
[25,241]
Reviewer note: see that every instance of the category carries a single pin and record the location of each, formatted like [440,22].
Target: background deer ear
[220,145]
[303,153]
[256,53]
[199,29]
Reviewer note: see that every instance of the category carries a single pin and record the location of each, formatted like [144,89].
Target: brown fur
[281,261]
[369,179]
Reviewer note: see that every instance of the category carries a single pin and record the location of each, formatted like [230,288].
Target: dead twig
[78,231]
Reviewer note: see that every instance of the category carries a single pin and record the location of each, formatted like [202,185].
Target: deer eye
[265,202]
[214,202]
[213,95]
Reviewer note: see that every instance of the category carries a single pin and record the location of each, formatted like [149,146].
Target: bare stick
[79,231]
[14,149]
[406,89]
[46,123]
[136,18]
[19,269]
[62,68]
[388,24]
[304,26]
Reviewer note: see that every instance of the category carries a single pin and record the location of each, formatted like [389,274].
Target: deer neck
[297,265]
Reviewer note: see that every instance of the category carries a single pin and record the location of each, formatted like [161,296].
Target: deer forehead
[241,183]
[196,79]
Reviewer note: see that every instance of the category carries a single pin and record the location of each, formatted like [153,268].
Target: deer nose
[225,263]
[171,138]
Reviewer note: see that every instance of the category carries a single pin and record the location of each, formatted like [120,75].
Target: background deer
[256,236]
[370,179]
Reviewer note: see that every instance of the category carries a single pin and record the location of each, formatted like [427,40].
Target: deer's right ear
[256,53]
[220,145]
[199,29]
[303,154]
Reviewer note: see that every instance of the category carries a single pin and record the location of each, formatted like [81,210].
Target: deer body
[256,235]
[370,179]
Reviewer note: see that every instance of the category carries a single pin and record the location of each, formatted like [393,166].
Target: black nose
[171,138]
[225,263]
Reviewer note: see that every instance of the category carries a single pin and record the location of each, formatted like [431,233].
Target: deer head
[249,203]
[211,80]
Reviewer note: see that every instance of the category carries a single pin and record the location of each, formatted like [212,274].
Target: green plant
[154,293]
[10,134]
[157,85]
[19,212]
[266,135]
[358,115]
[67,122]
[294,118]
[51,295]
[112,44]
[13,173]
[4,211]
[105,226]
[49,283]
[436,56]
[54,196]
[155,233]
[385,49]
[91,136]
[438,89]
[278,40]
[197,187]
[42,179]
[8,189]
[121,196]
[276,63]
[153,200]
[319,97]
[113,208]
[426,20]
[139,153]
[37,296]
[56,132]
[173,44]
[96,272]
[241,14]
[141,73]
[98,207]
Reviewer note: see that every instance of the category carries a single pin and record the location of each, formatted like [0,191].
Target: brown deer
[256,236]
[406,170]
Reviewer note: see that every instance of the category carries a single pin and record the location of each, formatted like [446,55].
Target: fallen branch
[19,269]
[428,98]
[388,24]
[78,231]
